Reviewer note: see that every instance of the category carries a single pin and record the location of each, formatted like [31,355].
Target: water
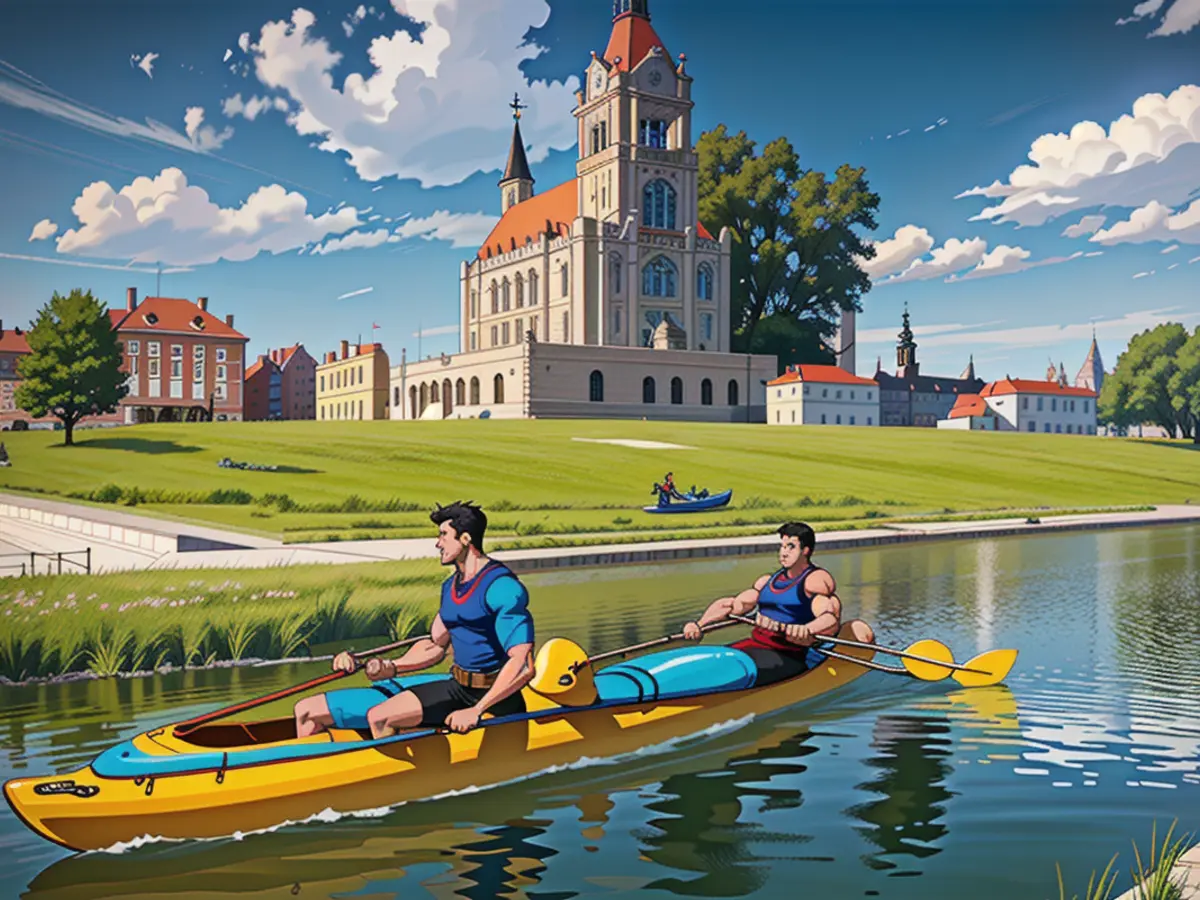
[889,788]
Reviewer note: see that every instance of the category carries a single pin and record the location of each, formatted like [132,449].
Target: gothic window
[677,390]
[706,326]
[520,290]
[460,393]
[566,328]
[659,278]
[474,391]
[512,197]
[596,387]
[706,392]
[498,388]
[506,295]
[494,291]
[658,205]
[653,133]
[566,280]
[733,392]
[704,282]
[614,272]
[647,389]
[533,291]
[474,304]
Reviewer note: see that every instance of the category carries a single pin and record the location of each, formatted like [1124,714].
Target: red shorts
[762,639]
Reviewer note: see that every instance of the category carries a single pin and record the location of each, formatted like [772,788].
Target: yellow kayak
[230,777]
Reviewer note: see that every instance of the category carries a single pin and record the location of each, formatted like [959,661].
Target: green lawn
[379,479]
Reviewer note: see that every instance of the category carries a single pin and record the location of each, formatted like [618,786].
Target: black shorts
[440,698]
[774,665]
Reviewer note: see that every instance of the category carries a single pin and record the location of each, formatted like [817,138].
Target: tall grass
[1155,880]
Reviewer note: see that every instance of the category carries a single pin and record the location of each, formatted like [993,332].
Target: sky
[321,170]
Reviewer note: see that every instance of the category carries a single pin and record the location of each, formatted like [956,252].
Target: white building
[1048,407]
[822,395]
[969,413]
[608,281]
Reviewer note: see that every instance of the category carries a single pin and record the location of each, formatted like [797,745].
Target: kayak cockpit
[227,735]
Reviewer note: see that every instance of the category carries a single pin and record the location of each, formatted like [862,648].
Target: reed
[1156,880]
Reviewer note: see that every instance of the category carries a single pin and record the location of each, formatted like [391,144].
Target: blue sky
[278,156]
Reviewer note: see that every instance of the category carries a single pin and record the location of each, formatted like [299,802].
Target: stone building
[353,384]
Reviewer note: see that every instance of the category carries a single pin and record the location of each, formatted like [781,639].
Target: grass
[1153,881]
[350,480]
[131,621]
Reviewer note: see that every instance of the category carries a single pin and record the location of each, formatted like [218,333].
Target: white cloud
[87,265]
[356,240]
[43,230]
[461,229]
[1153,154]
[1142,275]
[1196,260]
[145,63]
[1005,260]
[203,137]
[228,53]
[357,293]
[353,20]
[166,220]
[1170,249]
[893,254]
[250,109]
[434,332]
[888,335]
[244,41]
[952,256]
[434,109]
[1172,266]
[1181,17]
[1086,225]
[1147,8]
[1154,222]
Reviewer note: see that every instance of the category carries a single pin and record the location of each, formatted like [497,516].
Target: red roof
[632,37]
[254,369]
[11,342]
[1031,386]
[820,375]
[969,405]
[172,315]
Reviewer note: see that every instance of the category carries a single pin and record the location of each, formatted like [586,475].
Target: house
[264,390]
[1048,407]
[282,384]
[13,346]
[821,395]
[353,384]
[970,413]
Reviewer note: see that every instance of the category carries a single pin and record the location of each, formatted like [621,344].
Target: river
[888,788]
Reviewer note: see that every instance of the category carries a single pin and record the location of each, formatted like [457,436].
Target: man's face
[450,544]
[789,551]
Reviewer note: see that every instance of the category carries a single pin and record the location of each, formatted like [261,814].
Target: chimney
[345,349]
[202,302]
[331,356]
[130,299]
[229,320]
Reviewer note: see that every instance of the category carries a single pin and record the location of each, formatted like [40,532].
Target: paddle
[933,661]
[190,725]
[633,648]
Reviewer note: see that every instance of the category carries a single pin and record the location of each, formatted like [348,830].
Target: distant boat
[680,506]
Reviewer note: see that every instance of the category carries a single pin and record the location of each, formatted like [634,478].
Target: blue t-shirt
[486,617]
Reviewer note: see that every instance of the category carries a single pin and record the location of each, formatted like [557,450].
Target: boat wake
[329,816]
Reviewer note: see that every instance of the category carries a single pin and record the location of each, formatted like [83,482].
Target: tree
[74,367]
[796,252]
[1185,383]
[1140,388]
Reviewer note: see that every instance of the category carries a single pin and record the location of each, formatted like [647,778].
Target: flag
[374,326]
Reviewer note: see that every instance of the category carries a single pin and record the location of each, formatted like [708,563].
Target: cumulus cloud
[1154,222]
[1005,260]
[351,22]
[356,241]
[433,109]
[166,220]
[1148,8]
[250,109]
[953,256]
[1181,17]
[203,137]
[895,253]
[144,62]
[1153,154]
[1086,225]
[460,229]
[43,230]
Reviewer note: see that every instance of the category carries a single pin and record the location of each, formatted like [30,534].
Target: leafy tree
[796,251]
[1185,383]
[74,365]
[1140,388]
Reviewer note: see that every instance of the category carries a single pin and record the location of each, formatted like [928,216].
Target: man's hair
[465,517]
[801,531]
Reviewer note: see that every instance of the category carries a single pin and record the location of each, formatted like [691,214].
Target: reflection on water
[889,786]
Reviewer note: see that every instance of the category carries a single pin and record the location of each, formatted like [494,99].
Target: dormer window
[151,318]
[197,323]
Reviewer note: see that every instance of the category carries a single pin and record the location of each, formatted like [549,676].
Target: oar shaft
[190,725]
[645,645]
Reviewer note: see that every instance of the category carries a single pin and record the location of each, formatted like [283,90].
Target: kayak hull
[716,501]
[82,810]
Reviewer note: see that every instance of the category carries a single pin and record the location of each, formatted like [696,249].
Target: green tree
[1139,389]
[796,248]
[1185,383]
[74,365]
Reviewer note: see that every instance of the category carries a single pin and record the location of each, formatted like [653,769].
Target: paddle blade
[990,668]
[934,652]
[557,676]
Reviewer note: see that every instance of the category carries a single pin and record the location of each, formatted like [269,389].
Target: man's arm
[721,609]
[826,607]
[420,655]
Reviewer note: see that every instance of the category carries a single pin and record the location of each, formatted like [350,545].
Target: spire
[1091,374]
[969,372]
[517,183]
[906,350]
[639,8]
[632,36]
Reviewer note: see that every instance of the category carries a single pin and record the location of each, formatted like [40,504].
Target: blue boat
[692,504]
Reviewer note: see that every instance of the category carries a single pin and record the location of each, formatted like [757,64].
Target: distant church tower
[1091,375]
[906,350]
[517,184]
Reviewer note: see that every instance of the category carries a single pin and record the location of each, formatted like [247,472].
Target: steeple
[517,183]
[969,372]
[906,350]
[1091,374]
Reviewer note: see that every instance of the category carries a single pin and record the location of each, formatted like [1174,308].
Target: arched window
[474,304]
[424,399]
[733,392]
[474,391]
[647,389]
[566,280]
[498,388]
[447,403]
[658,205]
[494,291]
[596,387]
[706,393]
[659,278]
[676,390]
[704,282]
[505,295]
[614,272]
[653,133]
[520,290]
[434,394]
[396,396]
[460,393]
[412,402]
[534,299]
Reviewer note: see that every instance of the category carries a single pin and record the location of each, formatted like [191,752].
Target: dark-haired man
[796,605]
[483,620]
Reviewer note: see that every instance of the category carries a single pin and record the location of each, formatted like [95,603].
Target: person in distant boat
[796,606]
[484,621]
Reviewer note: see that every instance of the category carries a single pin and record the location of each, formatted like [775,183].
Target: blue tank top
[785,600]
[472,625]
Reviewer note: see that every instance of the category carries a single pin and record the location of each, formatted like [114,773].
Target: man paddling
[796,606]
[483,620]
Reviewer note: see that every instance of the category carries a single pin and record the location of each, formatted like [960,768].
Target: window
[153,347]
[704,282]
[198,371]
[474,304]
[566,323]
[868,397]
[177,368]
[474,391]
[566,280]
[154,371]
[360,409]
[198,352]
[839,396]
[495,292]
[396,396]
[1085,406]
[221,373]
[839,419]
[472,340]
[533,325]
[1039,400]
[822,418]
[676,390]
[1024,403]
[520,331]
[221,354]
[1072,406]
[706,393]
[793,417]
[653,133]
[824,393]
[776,417]
[504,333]
[732,392]
[852,395]
[658,205]
[1054,404]
[647,389]
[806,390]
[134,348]
[596,387]
[495,333]
[219,392]
[498,388]
[533,291]
[133,366]
[360,374]
[1058,428]
[1032,426]
[614,272]
[658,278]
[520,291]
[706,326]
[505,295]
[868,420]
[852,420]
[1046,428]
[460,393]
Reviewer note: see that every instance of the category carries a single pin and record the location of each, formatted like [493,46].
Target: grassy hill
[379,479]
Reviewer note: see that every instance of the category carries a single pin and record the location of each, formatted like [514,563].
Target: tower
[517,184]
[1091,374]
[844,345]
[968,374]
[906,349]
